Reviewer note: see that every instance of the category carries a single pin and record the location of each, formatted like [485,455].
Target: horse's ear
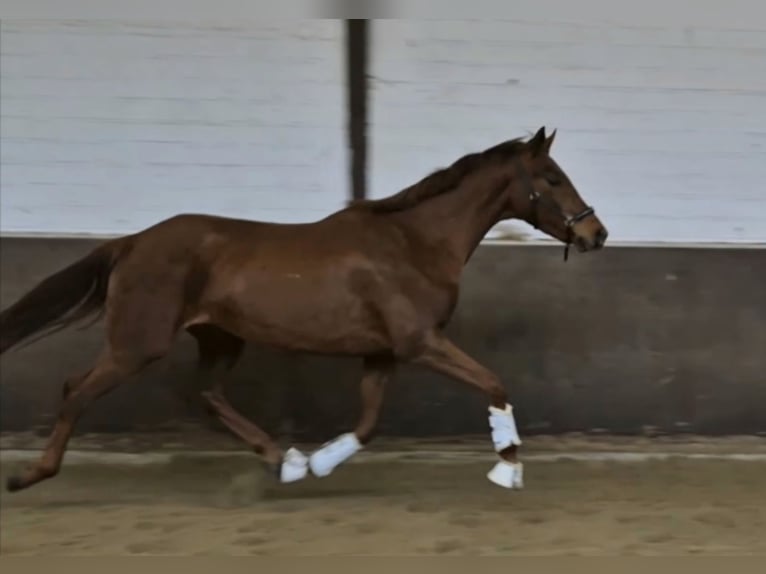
[537,142]
[549,142]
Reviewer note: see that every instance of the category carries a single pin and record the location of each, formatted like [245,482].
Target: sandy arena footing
[593,497]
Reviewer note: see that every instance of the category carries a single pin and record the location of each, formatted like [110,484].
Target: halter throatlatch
[534,200]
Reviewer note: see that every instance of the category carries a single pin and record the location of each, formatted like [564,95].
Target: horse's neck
[458,220]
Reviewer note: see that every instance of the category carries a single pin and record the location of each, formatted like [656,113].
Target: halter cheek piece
[534,199]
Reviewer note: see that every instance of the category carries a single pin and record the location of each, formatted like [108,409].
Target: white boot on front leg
[504,434]
[324,460]
[503,425]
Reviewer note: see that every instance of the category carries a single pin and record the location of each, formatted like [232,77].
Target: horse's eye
[552,178]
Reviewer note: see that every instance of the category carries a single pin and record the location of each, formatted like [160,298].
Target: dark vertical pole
[356,81]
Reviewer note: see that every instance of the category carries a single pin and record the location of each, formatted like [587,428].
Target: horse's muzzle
[597,241]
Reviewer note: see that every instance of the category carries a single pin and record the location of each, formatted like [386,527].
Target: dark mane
[443,180]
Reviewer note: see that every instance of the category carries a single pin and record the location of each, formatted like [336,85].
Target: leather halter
[534,200]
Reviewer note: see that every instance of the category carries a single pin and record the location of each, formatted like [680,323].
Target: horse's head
[542,195]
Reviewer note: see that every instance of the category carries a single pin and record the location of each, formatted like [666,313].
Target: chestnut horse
[378,280]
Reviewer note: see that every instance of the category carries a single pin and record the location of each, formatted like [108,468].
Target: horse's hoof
[14,484]
[507,474]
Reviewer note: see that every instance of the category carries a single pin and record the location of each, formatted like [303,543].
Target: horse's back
[316,286]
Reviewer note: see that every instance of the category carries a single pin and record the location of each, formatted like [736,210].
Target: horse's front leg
[440,354]
[377,370]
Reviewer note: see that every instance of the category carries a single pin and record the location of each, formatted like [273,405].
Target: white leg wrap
[507,474]
[503,425]
[324,460]
[294,466]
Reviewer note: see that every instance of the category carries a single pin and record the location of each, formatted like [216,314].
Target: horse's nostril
[601,236]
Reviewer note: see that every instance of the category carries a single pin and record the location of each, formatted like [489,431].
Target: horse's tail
[64,298]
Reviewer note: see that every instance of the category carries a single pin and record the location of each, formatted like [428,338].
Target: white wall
[661,113]
[108,127]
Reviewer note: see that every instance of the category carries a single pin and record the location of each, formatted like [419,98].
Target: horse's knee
[498,396]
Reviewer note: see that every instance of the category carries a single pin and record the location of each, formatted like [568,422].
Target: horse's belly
[313,322]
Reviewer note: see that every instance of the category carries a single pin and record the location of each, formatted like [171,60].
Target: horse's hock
[634,339]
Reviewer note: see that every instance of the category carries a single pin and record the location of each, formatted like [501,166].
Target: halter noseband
[534,199]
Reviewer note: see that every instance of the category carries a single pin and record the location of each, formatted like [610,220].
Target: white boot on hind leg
[504,434]
[324,460]
[294,466]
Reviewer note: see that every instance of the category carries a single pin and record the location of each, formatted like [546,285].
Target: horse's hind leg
[79,392]
[140,330]
[219,352]
[377,371]
[290,466]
